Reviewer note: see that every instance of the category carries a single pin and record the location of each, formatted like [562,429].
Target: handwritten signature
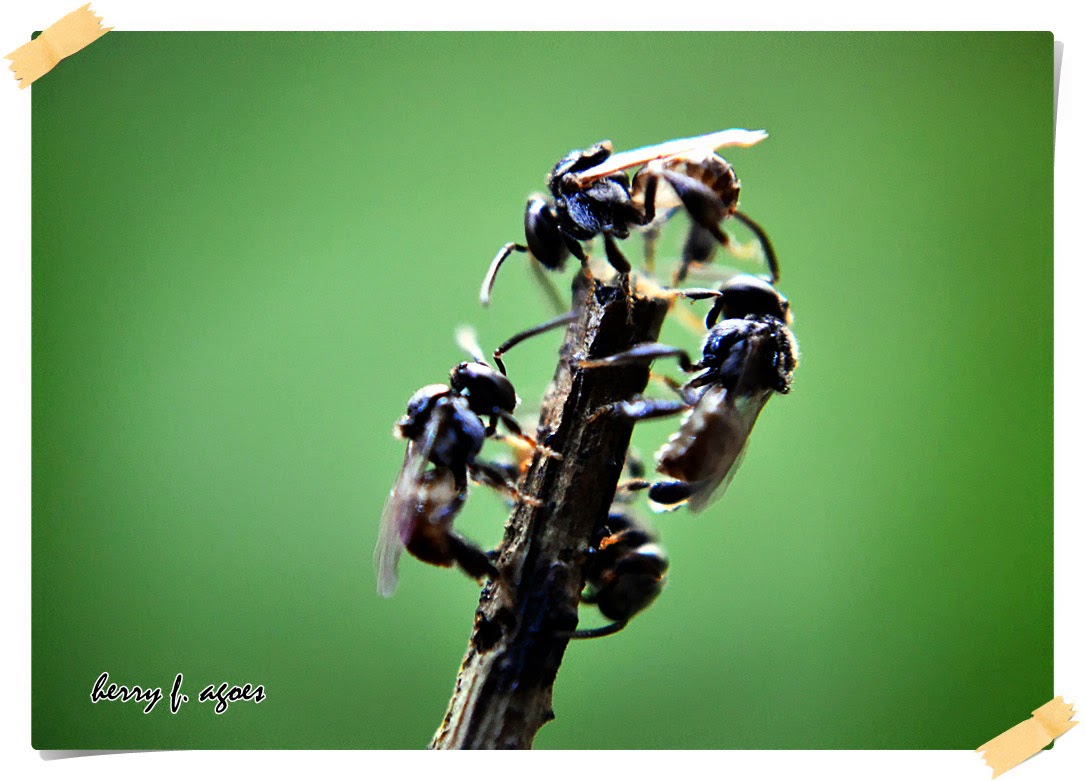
[222,695]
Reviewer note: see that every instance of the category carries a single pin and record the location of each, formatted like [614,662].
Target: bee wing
[396,520]
[739,413]
[679,146]
[400,509]
[712,490]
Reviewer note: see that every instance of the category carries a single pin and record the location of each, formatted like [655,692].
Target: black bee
[746,357]
[445,430]
[625,574]
[591,195]
[626,569]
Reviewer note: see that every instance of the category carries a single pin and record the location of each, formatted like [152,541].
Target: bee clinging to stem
[746,358]
[445,428]
[626,566]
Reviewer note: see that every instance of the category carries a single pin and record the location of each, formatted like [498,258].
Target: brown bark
[504,687]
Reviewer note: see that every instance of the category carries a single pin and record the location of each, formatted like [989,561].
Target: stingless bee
[626,568]
[746,358]
[625,573]
[445,431]
[591,194]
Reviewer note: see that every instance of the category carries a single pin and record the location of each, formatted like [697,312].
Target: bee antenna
[766,247]
[491,272]
[467,339]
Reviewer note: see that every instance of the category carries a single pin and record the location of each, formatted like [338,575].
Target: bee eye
[459,374]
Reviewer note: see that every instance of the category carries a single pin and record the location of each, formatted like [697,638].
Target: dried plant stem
[503,691]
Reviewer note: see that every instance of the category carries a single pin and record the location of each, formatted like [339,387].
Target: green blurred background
[250,249]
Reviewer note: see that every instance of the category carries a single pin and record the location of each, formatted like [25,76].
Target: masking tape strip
[75,31]
[1020,742]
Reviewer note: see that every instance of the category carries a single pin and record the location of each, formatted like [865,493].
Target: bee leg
[511,423]
[599,631]
[471,558]
[642,354]
[618,260]
[640,409]
[650,187]
[494,477]
[460,474]
[514,428]
[694,249]
[630,486]
[578,252]
[511,470]
[690,253]
[714,313]
[648,217]
[700,247]
[766,245]
[705,209]
[615,256]
[514,340]
[703,205]
[699,294]
[675,386]
[651,239]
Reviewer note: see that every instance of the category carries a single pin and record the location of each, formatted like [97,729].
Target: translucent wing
[740,418]
[396,520]
[709,142]
[401,508]
[712,490]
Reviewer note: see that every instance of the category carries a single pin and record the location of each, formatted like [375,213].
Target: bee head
[485,389]
[746,295]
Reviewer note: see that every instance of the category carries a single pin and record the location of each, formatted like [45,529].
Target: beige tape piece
[75,31]
[1018,743]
